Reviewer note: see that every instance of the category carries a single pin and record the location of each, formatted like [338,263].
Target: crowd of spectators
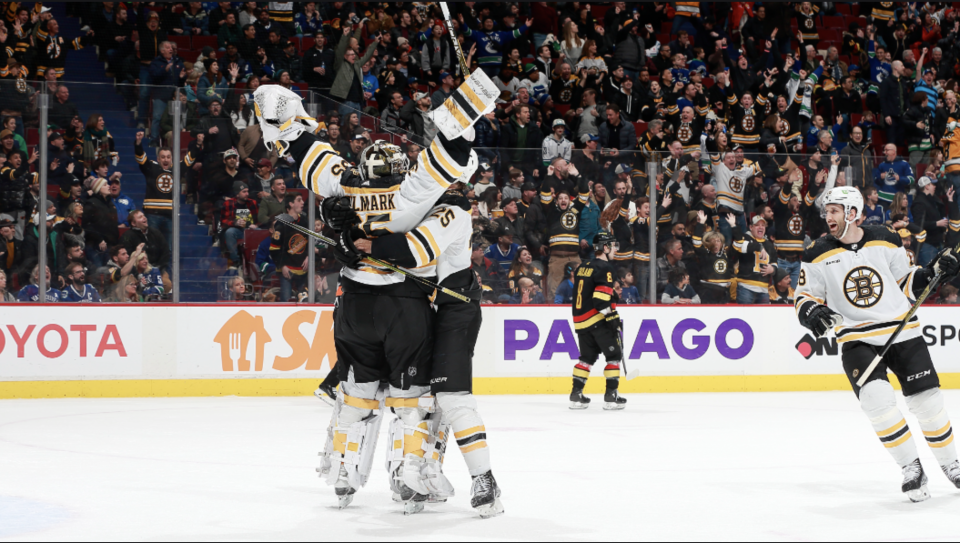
[700,133]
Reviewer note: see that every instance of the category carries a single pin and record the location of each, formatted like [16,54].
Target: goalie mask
[383,159]
[281,116]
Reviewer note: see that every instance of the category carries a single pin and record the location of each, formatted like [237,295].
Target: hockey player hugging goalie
[384,324]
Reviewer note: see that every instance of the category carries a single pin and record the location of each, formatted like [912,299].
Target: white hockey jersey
[869,283]
[387,205]
[731,183]
[441,243]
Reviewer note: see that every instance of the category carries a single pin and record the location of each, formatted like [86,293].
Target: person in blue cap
[445,91]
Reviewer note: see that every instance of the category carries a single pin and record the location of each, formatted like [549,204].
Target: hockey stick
[631,375]
[377,262]
[456,45]
[903,324]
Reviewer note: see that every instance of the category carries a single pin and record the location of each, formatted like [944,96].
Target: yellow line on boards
[138,388]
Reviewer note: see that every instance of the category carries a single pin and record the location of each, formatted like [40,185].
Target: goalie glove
[346,252]
[820,318]
[337,214]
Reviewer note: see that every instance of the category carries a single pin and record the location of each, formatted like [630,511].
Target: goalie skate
[915,482]
[326,393]
[344,491]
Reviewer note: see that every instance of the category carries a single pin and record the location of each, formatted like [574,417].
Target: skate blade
[396,497]
[344,501]
[324,398]
[919,495]
[612,406]
[578,405]
[412,508]
[490,510]
[436,499]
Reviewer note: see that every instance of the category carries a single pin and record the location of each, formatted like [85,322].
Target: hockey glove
[345,252]
[337,214]
[819,319]
[947,264]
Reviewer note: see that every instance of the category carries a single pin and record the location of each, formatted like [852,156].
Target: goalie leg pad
[935,423]
[460,412]
[352,438]
[879,403]
[474,98]
[410,440]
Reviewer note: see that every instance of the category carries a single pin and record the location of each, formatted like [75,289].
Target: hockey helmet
[605,238]
[281,116]
[847,197]
[382,159]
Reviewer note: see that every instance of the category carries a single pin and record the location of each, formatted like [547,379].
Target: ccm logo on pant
[918,376]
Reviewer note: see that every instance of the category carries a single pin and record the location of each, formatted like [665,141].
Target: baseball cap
[230,152]
[507,201]
[589,137]
[445,75]
[623,168]
[359,137]
[928,71]
[485,166]
[528,185]
[419,96]
[758,218]
[5,134]
[264,163]
[53,136]
[853,68]
[924,181]
[74,181]
[904,233]
[389,60]
[6,220]
[153,14]
[558,122]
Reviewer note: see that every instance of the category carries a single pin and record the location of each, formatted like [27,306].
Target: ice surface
[772,466]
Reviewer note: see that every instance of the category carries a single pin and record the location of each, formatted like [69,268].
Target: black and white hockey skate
[343,489]
[578,400]
[485,495]
[612,401]
[915,482]
[952,471]
[326,393]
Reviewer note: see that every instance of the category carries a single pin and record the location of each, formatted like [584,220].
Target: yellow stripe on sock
[942,444]
[898,442]
[469,432]
[473,447]
[893,429]
[939,432]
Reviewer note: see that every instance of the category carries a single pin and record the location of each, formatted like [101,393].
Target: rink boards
[213,350]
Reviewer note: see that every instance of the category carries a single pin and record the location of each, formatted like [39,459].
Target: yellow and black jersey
[52,52]
[563,225]
[790,228]
[791,118]
[688,133]
[871,284]
[753,255]
[747,122]
[807,22]
[688,9]
[158,199]
[650,149]
[950,143]
[883,11]
[593,293]
[715,268]
[280,12]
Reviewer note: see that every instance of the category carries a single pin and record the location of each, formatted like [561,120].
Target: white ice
[771,466]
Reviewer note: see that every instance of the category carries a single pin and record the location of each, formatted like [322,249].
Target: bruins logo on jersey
[749,122]
[53,49]
[165,183]
[795,225]
[786,127]
[736,184]
[808,23]
[569,220]
[566,95]
[720,266]
[685,133]
[863,287]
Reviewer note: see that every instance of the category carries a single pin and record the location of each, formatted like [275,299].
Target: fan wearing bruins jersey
[651,147]
[440,246]
[716,265]
[746,115]
[688,123]
[158,199]
[52,48]
[597,324]
[563,230]
[790,218]
[858,281]
[757,262]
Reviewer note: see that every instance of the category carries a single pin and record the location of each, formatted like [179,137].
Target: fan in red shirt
[238,214]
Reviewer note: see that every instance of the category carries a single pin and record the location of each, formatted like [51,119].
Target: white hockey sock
[878,401]
[460,412]
[935,423]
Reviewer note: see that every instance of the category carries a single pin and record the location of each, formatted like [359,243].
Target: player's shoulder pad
[819,248]
[881,234]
